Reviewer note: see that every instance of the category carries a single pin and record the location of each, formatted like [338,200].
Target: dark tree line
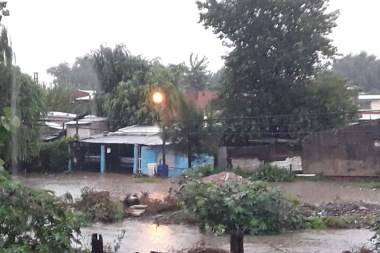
[362,70]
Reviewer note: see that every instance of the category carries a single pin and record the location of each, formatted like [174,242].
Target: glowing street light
[157,97]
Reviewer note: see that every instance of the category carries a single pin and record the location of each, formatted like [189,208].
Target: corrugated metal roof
[125,139]
[86,120]
[368,97]
[61,114]
[140,130]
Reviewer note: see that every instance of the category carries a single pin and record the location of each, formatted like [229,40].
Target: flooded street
[144,236]
[121,184]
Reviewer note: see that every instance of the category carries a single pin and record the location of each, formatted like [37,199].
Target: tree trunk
[236,242]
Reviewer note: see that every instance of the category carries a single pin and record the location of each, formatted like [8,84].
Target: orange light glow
[157,97]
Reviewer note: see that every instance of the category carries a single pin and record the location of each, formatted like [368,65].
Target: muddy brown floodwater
[143,236]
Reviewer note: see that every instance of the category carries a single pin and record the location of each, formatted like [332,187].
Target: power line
[250,117]
[220,133]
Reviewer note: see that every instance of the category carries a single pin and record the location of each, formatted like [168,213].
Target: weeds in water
[314,223]
[97,206]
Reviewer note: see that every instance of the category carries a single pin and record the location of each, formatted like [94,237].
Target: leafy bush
[97,206]
[54,156]
[205,169]
[31,221]
[269,173]
[231,206]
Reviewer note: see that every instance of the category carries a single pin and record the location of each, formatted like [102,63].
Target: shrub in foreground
[31,221]
[238,209]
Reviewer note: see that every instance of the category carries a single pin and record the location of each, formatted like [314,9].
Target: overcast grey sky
[45,33]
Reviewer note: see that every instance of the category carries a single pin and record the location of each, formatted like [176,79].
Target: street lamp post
[158,99]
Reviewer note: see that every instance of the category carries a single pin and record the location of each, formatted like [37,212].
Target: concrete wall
[265,152]
[83,131]
[350,151]
[87,130]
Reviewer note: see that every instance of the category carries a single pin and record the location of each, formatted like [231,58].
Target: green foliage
[269,173]
[81,75]
[363,71]
[336,222]
[30,107]
[278,47]
[54,156]
[8,123]
[27,100]
[97,206]
[61,98]
[332,222]
[190,133]
[32,222]
[325,104]
[230,206]
[205,170]
[314,223]
[118,65]
[197,75]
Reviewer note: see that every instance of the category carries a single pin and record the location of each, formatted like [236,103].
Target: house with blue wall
[134,149]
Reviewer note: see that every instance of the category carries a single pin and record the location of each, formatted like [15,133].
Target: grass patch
[365,183]
[271,173]
[338,222]
[314,223]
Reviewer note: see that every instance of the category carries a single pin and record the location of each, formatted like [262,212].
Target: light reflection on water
[145,237]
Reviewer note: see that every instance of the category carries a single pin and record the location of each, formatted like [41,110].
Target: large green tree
[278,47]
[80,75]
[62,99]
[197,74]
[363,70]
[126,83]
[27,101]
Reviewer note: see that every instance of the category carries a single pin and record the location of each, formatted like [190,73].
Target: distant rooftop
[61,115]
[87,120]
[145,135]
[140,130]
[368,97]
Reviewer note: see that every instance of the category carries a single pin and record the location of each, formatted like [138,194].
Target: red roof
[200,98]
